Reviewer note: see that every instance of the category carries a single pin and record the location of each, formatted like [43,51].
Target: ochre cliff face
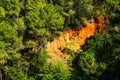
[73,39]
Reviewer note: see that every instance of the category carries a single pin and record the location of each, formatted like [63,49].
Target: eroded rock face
[73,39]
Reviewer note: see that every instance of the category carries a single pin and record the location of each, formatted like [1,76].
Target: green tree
[111,7]
[16,74]
[83,9]
[12,7]
[55,72]
[106,49]
[10,44]
[42,21]
[87,63]
[75,10]
[2,12]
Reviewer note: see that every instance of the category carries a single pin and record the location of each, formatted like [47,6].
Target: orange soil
[73,39]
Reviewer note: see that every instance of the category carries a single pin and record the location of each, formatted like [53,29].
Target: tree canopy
[27,26]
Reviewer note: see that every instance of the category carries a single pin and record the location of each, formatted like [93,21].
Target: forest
[59,39]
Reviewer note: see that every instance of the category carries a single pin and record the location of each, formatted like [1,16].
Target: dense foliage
[27,25]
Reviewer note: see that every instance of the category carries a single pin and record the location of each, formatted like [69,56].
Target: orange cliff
[73,39]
